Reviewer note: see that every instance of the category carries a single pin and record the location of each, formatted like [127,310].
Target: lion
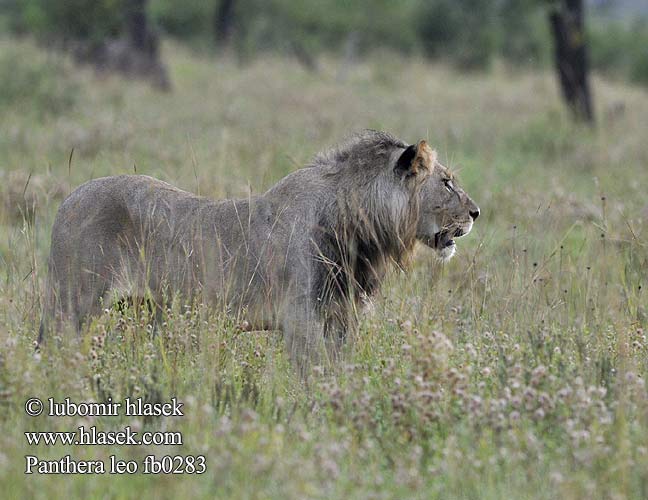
[301,257]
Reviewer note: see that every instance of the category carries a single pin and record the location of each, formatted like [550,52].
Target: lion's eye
[448,185]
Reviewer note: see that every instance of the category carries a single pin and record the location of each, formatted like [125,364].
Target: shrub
[460,31]
[523,31]
[639,69]
[87,20]
[30,80]
[619,49]
[187,19]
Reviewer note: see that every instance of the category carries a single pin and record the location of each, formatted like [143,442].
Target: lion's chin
[442,243]
[446,252]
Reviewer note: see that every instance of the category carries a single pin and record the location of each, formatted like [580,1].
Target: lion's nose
[474,213]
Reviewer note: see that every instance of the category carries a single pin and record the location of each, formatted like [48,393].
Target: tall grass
[514,371]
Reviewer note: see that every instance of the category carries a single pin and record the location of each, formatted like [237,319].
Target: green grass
[514,371]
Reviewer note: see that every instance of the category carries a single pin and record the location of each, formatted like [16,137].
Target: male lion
[299,257]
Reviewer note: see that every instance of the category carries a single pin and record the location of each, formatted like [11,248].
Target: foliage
[35,82]
[280,24]
[639,69]
[523,33]
[468,33]
[187,19]
[462,32]
[619,49]
[87,20]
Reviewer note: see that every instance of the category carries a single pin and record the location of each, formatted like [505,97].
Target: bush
[462,32]
[187,19]
[324,25]
[523,31]
[87,20]
[30,80]
[639,69]
[467,33]
[619,49]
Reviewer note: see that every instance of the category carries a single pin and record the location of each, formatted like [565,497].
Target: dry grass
[515,371]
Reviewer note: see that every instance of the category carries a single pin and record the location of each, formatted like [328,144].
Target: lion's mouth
[444,239]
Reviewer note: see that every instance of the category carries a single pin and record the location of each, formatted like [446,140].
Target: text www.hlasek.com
[91,436]
[94,437]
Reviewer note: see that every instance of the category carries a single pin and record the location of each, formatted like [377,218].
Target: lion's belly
[239,279]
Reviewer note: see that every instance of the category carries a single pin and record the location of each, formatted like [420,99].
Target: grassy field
[517,370]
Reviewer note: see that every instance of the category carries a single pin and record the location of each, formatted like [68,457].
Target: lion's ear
[416,159]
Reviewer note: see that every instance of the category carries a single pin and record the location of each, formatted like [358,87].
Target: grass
[515,371]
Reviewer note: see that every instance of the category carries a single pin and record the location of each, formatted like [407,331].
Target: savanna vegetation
[469,34]
[516,370]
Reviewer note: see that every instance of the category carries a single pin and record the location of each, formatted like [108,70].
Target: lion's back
[107,218]
[103,207]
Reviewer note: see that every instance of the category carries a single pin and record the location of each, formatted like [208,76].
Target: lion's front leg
[339,324]
[303,331]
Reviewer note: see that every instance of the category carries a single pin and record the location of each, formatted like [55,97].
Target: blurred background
[471,35]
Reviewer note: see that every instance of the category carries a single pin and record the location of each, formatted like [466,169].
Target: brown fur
[299,258]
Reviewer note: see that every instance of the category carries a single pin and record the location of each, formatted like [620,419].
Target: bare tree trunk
[224,22]
[304,57]
[567,26]
[136,25]
[141,53]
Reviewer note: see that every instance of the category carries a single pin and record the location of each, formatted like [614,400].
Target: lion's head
[399,193]
[446,211]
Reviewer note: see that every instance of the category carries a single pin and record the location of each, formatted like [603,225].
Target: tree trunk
[137,26]
[224,22]
[139,53]
[567,26]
